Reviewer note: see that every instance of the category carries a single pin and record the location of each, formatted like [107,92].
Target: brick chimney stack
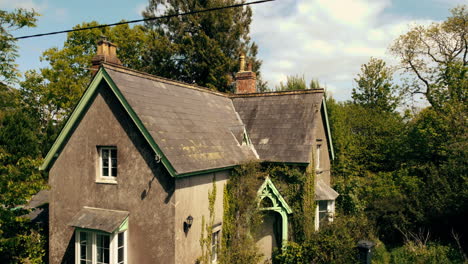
[106,52]
[246,81]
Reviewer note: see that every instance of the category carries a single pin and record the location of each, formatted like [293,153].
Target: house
[131,170]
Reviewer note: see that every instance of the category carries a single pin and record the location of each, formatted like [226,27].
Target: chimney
[106,53]
[246,81]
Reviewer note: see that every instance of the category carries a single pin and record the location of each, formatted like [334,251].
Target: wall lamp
[188,223]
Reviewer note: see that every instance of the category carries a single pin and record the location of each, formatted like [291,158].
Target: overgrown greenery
[294,83]
[20,240]
[241,216]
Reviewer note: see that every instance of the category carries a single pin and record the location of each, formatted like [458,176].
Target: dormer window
[108,162]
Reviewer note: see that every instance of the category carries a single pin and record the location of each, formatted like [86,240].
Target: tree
[374,86]
[436,59]
[10,21]
[297,83]
[203,48]
[52,92]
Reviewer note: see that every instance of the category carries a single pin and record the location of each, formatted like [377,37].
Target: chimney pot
[242,62]
[106,53]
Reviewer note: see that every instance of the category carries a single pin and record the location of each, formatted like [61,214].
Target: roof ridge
[279,93]
[148,76]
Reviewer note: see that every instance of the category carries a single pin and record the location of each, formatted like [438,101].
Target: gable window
[324,213]
[108,162]
[94,247]
[214,246]
[318,153]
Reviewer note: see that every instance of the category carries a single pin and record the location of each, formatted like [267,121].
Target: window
[214,246]
[108,162]
[100,248]
[324,213]
[317,164]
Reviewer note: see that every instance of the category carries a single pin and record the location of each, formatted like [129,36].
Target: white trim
[330,210]
[110,179]
[215,244]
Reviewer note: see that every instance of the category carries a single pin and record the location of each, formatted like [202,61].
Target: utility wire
[145,19]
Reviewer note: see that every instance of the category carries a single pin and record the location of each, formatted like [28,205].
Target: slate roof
[99,219]
[280,125]
[195,128]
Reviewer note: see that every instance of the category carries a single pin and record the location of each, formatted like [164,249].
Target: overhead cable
[145,19]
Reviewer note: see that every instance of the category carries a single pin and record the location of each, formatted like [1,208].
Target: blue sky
[324,39]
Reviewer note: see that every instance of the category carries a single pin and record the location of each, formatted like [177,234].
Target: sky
[327,40]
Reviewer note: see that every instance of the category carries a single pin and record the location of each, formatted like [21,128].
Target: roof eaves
[139,124]
[72,120]
[193,173]
[327,128]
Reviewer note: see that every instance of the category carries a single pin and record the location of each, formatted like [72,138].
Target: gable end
[80,110]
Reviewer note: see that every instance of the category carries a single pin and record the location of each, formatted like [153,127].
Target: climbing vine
[205,239]
[241,217]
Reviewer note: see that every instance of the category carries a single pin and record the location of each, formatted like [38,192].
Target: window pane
[121,240]
[105,171]
[121,247]
[114,172]
[105,154]
[322,205]
[102,248]
[85,248]
[121,255]
[322,216]
[105,162]
[114,153]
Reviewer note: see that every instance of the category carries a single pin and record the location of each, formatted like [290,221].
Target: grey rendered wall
[191,198]
[324,172]
[144,188]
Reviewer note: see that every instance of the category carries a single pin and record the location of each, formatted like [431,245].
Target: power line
[145,19]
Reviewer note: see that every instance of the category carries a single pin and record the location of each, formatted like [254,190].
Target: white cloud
[324,39]
[38,6]
[140,8]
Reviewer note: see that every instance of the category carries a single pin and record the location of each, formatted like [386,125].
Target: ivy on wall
[242,219]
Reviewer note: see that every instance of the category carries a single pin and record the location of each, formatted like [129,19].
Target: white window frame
[109,178]
[215,238]
[330,212]
[113,246]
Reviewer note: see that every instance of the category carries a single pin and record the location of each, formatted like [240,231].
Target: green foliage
[365,139]
[374,87]
[205,240]
[19,180]
[20,240]
[334,243]
[435,58]
[297,188]
[10,21]
[294,83]
[291,253]
[241,216]
[432,253]
[203,48]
